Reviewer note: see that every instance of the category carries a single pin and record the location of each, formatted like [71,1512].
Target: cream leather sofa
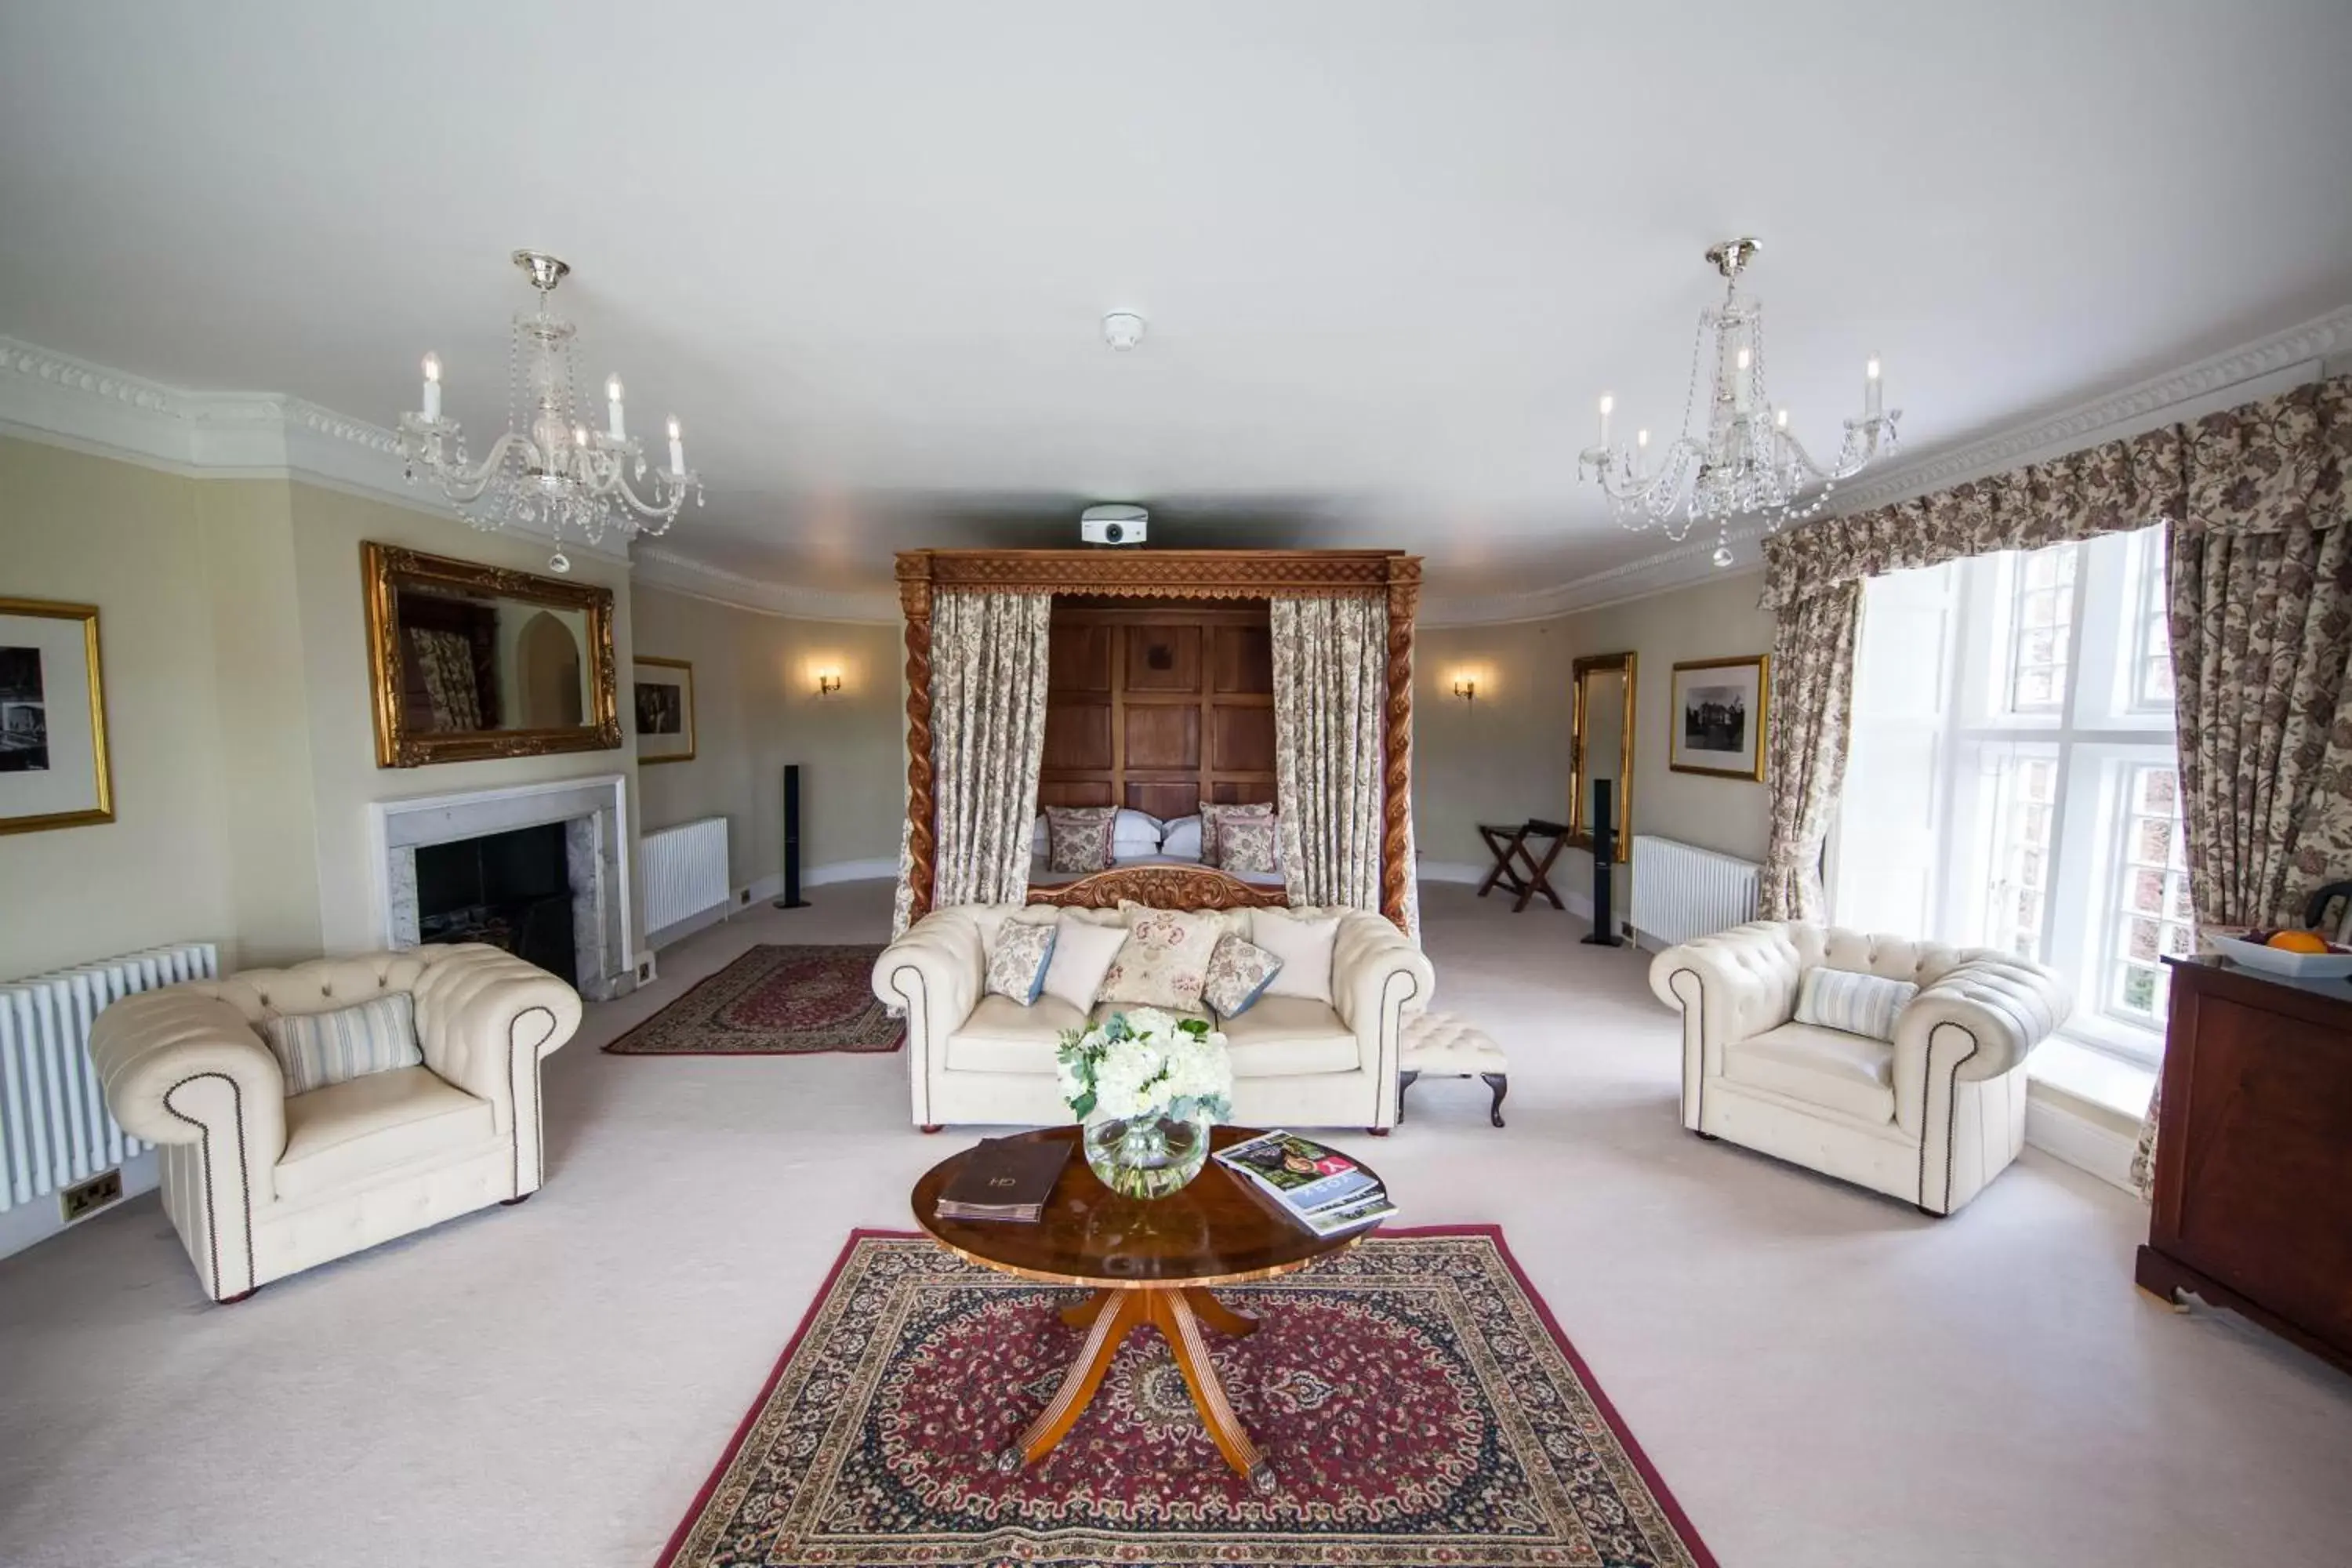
[1930,1118]
[974,1057]
[260,1185]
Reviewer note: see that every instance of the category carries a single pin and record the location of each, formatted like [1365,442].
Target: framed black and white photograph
[53,770]
[663,705]
[1718,717]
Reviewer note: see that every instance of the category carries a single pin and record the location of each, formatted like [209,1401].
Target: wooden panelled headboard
[1158,707]
[1230,680]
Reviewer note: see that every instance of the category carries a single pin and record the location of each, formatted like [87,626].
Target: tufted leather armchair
[260,1185]
[1930,1118]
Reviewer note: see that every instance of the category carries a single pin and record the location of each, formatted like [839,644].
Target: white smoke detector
[1122,330]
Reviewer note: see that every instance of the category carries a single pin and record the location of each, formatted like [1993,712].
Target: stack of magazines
[1005,1178]
[1320,1188]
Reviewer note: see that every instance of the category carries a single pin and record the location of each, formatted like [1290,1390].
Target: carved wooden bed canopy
[1166,574]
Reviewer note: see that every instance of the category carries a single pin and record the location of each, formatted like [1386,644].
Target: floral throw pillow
[1239,972]
[1017,965]
[1214,821]
[1245,847]
[1164,961]
[1077,837]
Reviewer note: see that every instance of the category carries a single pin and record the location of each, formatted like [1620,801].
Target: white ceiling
[1389,253]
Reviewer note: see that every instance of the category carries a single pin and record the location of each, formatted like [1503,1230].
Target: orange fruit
[2298,941]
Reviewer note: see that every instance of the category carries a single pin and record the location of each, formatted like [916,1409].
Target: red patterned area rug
[1415,1399]
[774,1002]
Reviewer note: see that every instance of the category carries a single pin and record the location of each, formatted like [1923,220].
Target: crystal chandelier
[1744,463]
[547,472]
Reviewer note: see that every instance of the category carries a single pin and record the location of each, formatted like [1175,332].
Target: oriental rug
[774,1001]
[1417,1401]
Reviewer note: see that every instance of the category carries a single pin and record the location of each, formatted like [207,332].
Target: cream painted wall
[1501,757]
[328,530]
[231,616]
[756,708]
[269,819]
[85,530]
[1507,762]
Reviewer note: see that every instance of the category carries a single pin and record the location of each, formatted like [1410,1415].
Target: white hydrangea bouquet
[1147,1085]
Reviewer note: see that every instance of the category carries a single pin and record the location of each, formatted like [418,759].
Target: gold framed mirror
[1600,746]
[469,661]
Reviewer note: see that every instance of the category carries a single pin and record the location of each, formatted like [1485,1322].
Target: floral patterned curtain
[445,660]
[1804,746]
[988,665]
[1330,690]
[2257,511]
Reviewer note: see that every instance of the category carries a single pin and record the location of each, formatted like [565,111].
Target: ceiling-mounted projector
[1113,524]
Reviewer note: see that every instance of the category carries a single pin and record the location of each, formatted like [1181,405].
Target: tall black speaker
[1604,868]
[792,899]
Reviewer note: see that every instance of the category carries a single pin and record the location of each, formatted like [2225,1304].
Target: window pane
[2147,892]
[2036,688]
[2151,843]
[2140,990]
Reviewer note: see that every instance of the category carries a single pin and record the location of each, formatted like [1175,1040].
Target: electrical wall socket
[84,1198]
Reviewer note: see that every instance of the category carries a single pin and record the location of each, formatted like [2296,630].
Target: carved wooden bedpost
[915,600]
[1396,838]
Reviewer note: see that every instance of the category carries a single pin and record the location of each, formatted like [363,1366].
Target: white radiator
[684,871]
[54,1126]
[1681,892]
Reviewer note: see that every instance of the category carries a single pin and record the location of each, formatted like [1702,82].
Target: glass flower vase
[1148,1158]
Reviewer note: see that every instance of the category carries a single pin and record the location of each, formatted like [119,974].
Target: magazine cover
[1304,1172]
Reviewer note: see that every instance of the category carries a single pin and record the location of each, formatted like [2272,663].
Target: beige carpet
[1827,1379]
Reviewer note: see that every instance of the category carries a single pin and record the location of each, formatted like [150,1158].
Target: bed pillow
[316,1049]
[1245,845]
[1856,1003]
[1238,972]
[1018,959]
[1180,840]
[1304,944]
[1212,821]
[1079,838]
[1134,833]
[1165,961]
[1083,953]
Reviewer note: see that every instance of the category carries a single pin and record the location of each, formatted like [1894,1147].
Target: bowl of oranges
[2298,954]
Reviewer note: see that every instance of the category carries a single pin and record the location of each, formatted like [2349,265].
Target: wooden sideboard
[2254,1163]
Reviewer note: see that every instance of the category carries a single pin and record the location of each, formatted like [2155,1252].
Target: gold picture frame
[648,715]
[1581,722]
[1741,722]
[400,742]
[26,705]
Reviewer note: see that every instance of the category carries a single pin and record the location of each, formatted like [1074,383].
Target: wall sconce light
[828,682]
[1465,687]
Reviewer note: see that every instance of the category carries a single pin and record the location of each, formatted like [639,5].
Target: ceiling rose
[547,472]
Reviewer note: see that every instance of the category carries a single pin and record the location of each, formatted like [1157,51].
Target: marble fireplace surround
[594,812]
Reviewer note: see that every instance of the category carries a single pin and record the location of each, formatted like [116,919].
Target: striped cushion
[1858,1004]
[320,1048]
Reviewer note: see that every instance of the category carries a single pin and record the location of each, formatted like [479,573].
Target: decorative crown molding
[658,566]
[49,397]
[2258,368]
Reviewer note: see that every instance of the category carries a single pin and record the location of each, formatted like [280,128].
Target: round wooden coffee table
[1148,1263]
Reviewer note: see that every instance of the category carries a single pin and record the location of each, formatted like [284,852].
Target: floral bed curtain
[445,659]
[2256,508]
[988,667]
[1330,691]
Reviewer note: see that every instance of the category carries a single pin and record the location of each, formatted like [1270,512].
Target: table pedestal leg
[1172,1314]
[1086,1375]
[1217,1315]
[1179,1315]
[1082,1314]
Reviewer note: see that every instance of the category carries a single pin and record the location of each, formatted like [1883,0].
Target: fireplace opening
[510,890]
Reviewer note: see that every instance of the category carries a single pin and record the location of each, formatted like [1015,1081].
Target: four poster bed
[1153,682]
